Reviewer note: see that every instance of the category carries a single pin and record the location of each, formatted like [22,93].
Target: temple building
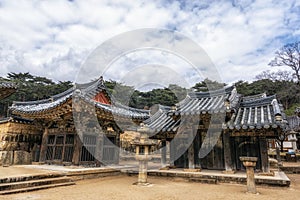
[218,127]
[18,136]
[208,130]
[64,143]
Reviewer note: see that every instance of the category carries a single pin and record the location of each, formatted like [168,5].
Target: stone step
[29,177]
[203,180]
[40,187]
[34,183]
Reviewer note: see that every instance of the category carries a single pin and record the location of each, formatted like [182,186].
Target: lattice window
[89,148]
[109,149]
[60,147]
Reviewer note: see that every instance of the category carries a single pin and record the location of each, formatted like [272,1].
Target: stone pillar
[264,155]
[227,153]
[163,153]
[143,165]
[250,163]
[191,156]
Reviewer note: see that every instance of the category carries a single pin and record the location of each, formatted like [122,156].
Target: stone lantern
[293,139]
[143,145]
[250,163]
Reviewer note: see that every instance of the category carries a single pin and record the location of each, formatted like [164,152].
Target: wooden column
[163,153]
[44,146]
[99,150]
[172,153]
[77,150]
[227,152]
[191,156]
[197,145]
[117,148]
[264,154]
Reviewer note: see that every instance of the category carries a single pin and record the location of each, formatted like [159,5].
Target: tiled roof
[162,121]
[207,102]
[85,92]
[258,111]
[294,121]
[194,104]
[42,106]
[263,112]
[6,89]
[16,119]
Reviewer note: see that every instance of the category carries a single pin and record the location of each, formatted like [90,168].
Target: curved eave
[118,111]
[7,89]
[161,122]
[16,120]
[207,102]
[254,126]
[44,110]
[223,91]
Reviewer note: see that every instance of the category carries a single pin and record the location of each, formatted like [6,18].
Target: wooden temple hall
[208,130]
[59,141]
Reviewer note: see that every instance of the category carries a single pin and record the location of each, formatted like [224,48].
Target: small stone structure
[143,146]
[250,163]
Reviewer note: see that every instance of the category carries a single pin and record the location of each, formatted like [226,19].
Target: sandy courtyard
[121,187]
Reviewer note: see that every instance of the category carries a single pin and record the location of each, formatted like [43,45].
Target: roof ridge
[212,93]
[260,101]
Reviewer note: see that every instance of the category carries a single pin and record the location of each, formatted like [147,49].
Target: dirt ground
[121,187]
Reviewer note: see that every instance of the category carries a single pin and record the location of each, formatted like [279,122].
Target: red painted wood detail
[102,98]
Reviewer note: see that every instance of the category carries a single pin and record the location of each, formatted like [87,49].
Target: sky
[56,38]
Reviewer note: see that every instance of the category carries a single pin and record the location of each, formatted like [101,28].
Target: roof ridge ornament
[101,80]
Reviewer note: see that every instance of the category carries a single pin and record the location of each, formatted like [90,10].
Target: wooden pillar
[172,153]
[99,149]
[117,148]
[197,145]
[191,156]
[77,150]
[163,153]
[227,152]
[264,154]
[44,146]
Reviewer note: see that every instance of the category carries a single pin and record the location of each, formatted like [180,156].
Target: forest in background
[32,88]
[285,84]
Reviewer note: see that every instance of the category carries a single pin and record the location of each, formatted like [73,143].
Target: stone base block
[271,173]
[6,158]
[22,158]
[142,184]
[228,172]
[165,168]
[14,158]
[192,170]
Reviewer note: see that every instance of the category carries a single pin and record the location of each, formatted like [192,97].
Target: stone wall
[19,142]
[15,158]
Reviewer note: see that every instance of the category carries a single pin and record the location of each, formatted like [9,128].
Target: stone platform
[279,179]
[78,173]
[75,172]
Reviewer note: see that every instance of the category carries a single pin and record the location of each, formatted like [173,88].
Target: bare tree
[280,75]
[289,55]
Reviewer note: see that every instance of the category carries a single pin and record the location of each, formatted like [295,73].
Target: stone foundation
[15,158]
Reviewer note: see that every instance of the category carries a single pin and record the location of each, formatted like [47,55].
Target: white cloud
[53,38]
